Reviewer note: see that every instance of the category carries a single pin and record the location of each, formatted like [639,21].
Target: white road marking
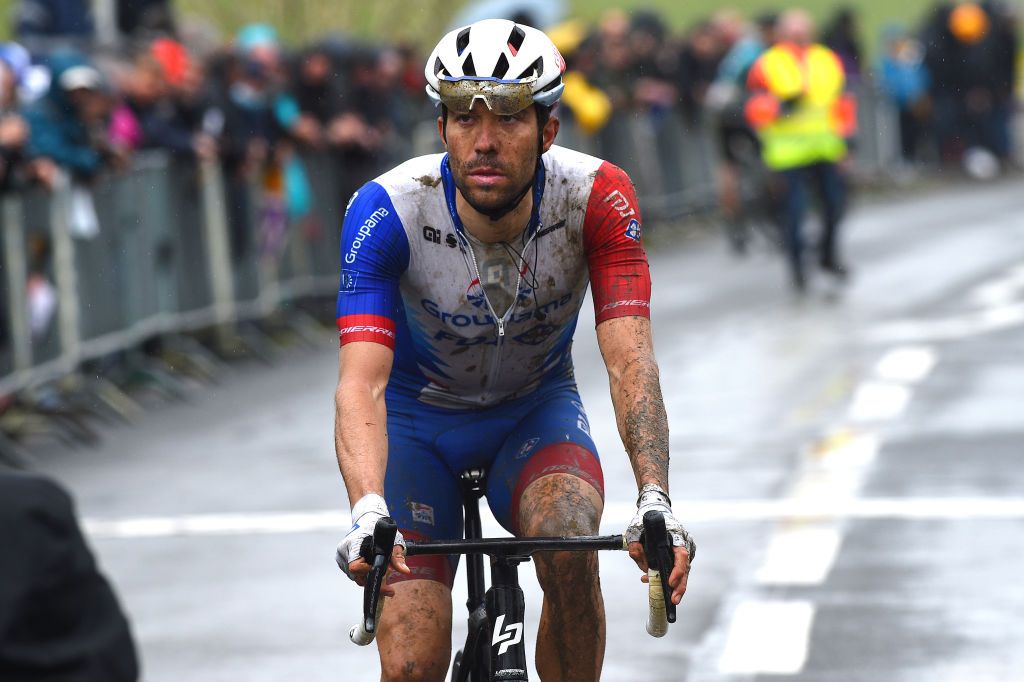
[835,469]
[616,517]
[1000,291]
[800,555]
[908,364]
[218,524]
[1001,308]
[878,401]
[954,328]
[767,637]
[804,554]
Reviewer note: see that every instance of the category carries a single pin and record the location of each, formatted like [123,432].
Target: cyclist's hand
[653,498]
[365,514]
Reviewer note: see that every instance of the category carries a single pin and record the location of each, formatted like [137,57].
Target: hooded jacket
[57,131]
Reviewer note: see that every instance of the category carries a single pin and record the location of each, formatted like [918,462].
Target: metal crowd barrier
[162,262]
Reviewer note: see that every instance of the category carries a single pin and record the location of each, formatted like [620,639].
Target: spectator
[841,36]
[653,67]
[146,92]
[42,25]
[798,86]
[615,60]
[68,125]
[699,57]
[190,98]
[966,59]
[317,90]
[1006,48]
[412,78]
[145,18]
[13,128]
[362,133]
[59,617]
[903,78]
[242,120]
[185,103]
[582,102]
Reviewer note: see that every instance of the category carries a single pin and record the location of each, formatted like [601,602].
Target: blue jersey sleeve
[374,254]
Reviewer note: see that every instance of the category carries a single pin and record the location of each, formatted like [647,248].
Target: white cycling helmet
[507,65]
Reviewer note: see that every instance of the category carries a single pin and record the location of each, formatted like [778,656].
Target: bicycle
[495,647]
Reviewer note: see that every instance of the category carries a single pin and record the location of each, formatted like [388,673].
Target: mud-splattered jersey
[412,280]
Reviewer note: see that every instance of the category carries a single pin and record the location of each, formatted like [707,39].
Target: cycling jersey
[411,279]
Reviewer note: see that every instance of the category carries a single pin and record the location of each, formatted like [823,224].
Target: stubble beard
[483,200]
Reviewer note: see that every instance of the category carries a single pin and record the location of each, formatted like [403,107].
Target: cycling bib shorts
[517,442]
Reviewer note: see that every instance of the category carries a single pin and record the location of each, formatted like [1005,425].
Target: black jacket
[59,618]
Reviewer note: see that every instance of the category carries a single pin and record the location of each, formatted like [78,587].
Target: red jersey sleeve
[620,278]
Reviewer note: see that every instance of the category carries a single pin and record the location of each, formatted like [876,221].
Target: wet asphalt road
[851,466]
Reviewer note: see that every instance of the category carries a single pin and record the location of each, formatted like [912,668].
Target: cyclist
[462,276]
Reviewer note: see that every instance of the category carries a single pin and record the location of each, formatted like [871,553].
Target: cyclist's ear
[442,126]
[549,132]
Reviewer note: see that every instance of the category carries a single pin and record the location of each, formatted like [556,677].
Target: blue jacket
[56,130]
[903,81]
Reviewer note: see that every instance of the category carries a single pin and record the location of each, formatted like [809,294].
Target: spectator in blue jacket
[903,77]
[68,124]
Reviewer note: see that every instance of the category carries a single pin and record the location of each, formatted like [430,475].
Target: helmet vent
[535,69]
[439,69]
[501,68]
[515,40]
[462,41]
[468,69]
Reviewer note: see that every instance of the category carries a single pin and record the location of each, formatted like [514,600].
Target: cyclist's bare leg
[571,637]
[415,636]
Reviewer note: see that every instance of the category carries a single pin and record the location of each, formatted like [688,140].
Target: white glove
[365,514]
[653,498]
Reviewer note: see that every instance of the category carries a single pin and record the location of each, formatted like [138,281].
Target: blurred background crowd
[69,100]
[84,96]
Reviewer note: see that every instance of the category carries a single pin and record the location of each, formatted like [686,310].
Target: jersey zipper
[499,321]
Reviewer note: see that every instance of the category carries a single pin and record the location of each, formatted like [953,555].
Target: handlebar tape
[660,560]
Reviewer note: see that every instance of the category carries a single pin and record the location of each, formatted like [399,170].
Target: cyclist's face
[493,157]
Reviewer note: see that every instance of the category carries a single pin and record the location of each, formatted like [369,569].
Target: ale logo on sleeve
[633,230]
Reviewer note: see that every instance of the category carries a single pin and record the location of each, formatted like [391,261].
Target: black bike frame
[497,614]
[494,647]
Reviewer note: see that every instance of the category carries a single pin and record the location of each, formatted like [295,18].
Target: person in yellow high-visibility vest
[803,117]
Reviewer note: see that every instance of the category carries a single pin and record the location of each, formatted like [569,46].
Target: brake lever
[658,545]
[377,553]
